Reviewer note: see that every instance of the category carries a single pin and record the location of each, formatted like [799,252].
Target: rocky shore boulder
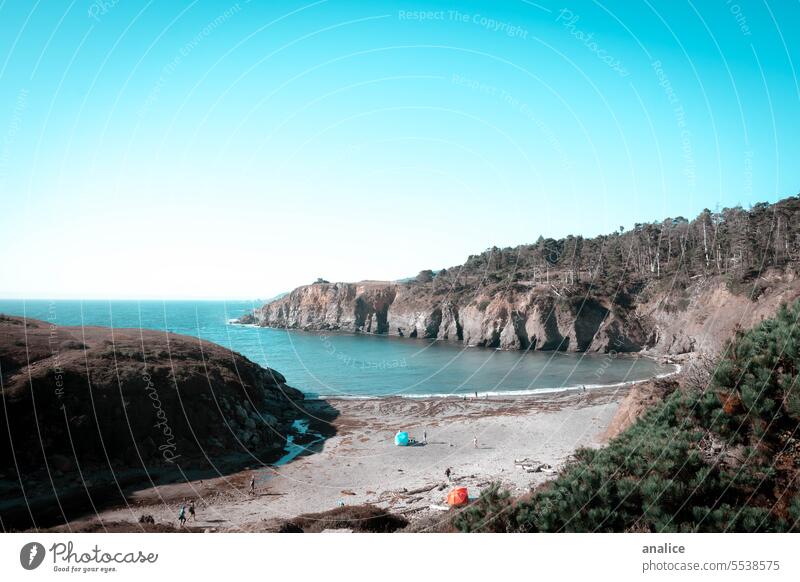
[101,397]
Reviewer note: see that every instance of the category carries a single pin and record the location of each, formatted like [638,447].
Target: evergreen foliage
[734,243]
[724,457]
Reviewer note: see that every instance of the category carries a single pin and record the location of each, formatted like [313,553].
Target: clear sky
[236,150]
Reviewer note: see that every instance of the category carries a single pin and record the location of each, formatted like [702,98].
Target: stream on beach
[353,365]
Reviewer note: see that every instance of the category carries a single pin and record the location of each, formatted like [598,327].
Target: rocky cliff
[673,286]
[657,317]
[100,397]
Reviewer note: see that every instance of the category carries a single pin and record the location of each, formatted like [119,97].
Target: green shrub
[491,512]
[667,472]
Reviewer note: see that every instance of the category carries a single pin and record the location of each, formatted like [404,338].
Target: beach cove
[479,416]
[522,443]
[344,365]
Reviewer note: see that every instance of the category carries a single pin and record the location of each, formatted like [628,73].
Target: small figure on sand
[584,387]
[252,490]
[476,395]
[475,441]
[447,473]
[191,511]
[425,437]
[182,514]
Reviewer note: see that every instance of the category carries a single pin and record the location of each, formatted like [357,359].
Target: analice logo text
[31,555]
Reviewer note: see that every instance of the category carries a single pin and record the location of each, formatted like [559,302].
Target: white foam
[501,393]
[235,321]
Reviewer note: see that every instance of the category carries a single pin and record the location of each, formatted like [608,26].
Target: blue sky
[227,150]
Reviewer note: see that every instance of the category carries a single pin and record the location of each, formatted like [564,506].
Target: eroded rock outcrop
[531,320]
[331,306]
[669,287]
[656,319]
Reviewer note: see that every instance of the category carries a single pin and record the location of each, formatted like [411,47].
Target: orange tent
[458,497]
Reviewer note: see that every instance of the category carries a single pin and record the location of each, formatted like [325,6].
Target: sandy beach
[360,464]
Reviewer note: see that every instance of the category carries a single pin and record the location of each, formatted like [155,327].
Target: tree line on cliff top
[721,454]
[734,242]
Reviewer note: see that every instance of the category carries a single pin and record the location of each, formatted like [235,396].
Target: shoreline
[666,360]
[356,445]
[522,442]
[510,393]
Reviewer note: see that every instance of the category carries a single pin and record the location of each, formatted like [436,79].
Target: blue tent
[401,439]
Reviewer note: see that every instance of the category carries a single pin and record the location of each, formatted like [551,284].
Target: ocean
[353,365]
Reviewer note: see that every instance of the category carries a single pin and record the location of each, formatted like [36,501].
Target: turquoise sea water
[348,365]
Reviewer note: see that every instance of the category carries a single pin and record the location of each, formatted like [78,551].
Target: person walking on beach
[182,515]
[447,473]
[191,511]
[475,441]
[252,485]
[425,437]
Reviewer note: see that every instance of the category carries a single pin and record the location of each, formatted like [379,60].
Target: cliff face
[347,306]
[511,320]
[97,397]
[704,316]
[538,317]
[671,287]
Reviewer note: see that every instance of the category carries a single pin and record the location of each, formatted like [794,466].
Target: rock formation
[98,397]
[669,287]
[534,316]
